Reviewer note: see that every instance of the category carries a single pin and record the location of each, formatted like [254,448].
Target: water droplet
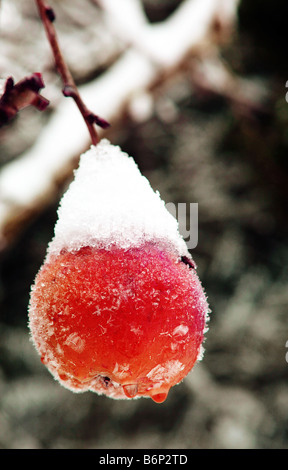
[159,397]
[130,390]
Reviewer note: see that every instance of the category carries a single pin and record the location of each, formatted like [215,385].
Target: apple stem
[69,89]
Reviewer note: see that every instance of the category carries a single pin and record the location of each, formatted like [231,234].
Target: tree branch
[69,89]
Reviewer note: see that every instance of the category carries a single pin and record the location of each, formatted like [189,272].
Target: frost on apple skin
[123,323]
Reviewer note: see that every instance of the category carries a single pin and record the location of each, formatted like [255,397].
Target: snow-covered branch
[153,51]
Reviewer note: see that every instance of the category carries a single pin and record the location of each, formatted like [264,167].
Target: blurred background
[221,143]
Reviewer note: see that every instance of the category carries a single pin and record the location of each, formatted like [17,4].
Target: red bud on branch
[20,95]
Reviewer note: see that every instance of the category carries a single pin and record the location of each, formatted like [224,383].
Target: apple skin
[123,323]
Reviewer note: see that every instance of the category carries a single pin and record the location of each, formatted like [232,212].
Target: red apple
[124,323]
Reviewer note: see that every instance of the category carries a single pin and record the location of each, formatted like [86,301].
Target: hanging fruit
[114,309]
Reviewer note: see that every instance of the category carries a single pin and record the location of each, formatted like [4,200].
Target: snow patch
[110,203]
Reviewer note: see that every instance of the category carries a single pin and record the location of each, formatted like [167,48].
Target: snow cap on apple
[110,203]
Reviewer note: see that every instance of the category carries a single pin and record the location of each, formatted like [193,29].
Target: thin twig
[69,89]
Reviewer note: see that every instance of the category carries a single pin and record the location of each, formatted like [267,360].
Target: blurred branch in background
[189,42]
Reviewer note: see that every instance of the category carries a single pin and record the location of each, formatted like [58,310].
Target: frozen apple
[117,307]
[119,322]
